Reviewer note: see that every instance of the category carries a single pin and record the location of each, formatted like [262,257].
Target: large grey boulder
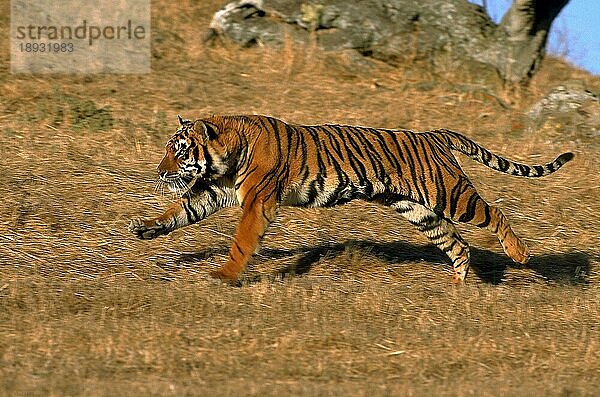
[387,29]
[442,33]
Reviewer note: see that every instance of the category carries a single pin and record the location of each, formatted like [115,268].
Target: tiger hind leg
[483,215]
[513,246]
[440,232]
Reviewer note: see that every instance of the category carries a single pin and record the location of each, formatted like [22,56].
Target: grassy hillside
[344,301]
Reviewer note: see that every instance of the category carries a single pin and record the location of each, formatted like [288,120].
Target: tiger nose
[163,174]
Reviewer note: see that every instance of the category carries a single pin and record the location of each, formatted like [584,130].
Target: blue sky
[575,33]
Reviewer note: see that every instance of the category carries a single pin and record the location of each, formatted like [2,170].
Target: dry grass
[348,301]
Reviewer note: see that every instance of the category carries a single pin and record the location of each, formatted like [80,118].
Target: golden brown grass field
[349,301]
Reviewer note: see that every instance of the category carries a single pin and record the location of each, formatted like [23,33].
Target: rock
[562,99]
[447,34]
[570,105]
[390,30]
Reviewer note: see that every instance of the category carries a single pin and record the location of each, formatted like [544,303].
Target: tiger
[262,163]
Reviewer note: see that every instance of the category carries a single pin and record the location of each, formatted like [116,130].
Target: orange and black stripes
[478,153]
[262,163]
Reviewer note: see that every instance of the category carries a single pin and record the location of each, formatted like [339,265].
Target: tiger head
[192,154]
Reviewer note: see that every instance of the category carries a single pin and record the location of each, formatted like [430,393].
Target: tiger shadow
[490,267]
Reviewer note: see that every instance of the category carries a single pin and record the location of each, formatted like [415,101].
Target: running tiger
[260,163]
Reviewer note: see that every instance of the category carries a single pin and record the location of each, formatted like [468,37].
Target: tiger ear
[208,130]
[181,120]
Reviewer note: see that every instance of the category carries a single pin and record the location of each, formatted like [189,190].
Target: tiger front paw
[226,276]
[147,229]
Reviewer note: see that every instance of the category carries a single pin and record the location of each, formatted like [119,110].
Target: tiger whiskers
[187,187]
[159,187]
[178,187]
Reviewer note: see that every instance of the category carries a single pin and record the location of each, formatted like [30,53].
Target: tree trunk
[525,27]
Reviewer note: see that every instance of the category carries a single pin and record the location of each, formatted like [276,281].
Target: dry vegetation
[345,301]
